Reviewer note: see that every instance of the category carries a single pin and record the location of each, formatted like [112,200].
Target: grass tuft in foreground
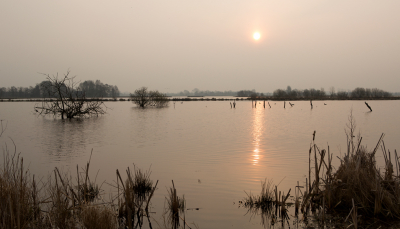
[61,203]
[359,184]
[19,204]
[99,217]
[358,191]
[175,206]
[270,204]
[134,197]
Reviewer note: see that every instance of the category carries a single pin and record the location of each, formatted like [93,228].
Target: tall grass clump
[375,191]
[359,185]
[175,206]
[62,202]
[69,201]
[357,189]
[134,196]
[99,217]
[87,190]
[56,203]
[270,204]
[19,206]
[263,201]
[142,184]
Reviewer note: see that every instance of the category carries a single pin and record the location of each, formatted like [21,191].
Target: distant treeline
[251,93]
[98,89]
[197,92]
[357,93]
[91,88]
[289,93]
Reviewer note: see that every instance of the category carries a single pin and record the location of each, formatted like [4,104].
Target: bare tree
[141,97]
[63,98]
[145,98]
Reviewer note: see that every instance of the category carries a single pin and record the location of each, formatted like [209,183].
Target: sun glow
[256,35]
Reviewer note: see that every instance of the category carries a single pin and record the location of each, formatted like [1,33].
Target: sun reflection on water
[258,129]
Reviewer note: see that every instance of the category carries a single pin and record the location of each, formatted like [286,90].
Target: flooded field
[212,152]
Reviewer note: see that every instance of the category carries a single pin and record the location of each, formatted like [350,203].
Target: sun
[256,36]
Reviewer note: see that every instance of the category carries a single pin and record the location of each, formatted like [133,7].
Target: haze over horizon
[181,45]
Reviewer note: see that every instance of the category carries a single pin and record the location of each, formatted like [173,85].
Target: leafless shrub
[64,98]
[144,98]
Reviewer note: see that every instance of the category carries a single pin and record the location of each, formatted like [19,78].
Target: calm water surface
[212,152]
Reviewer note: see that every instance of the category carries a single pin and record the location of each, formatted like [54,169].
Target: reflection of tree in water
[145,125]
[69,138]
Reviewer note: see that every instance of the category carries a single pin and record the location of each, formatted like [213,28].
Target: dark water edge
[204,98]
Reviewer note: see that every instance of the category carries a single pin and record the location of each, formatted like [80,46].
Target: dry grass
[19,207]
[358,186]
[263,201]
[134,197]
[55,204]
[88,192]
[99,217]
[375,191]
[142,185]
[62,202]
[175,206]
[270,204]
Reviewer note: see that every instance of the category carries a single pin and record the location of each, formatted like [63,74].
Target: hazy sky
[176,45]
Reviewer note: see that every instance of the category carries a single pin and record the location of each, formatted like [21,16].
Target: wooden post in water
[368,106]
[323,209]
[311,104]
[231,104]
[296,206]
[264,103]
[316,167]
[284,104]
[255,103]
[269,105]
[305,200]
[283,205]
[279,198]
[234,104]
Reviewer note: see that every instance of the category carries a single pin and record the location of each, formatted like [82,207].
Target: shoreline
[198,98]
